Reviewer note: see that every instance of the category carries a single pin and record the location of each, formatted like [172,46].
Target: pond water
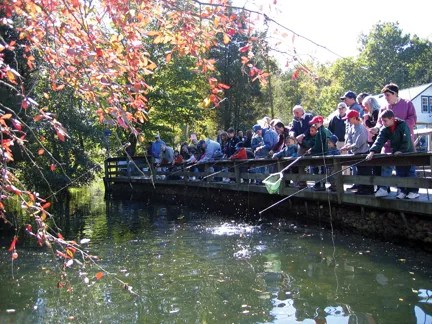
[187,266]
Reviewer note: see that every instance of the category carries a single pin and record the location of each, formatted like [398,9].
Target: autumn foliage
[104,52]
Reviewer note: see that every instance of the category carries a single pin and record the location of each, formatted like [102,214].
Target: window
[426,104]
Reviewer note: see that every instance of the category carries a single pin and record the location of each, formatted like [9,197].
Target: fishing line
[217,172]
[263,166]
[331,220]
[295,193]
[83,174]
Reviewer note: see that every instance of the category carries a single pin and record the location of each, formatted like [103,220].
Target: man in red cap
[357,143]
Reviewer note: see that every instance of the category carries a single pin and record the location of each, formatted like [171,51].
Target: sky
[335,24]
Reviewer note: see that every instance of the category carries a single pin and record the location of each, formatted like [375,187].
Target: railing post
[237,173]
[338,179]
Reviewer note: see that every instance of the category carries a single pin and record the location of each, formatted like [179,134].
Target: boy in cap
[257,139]
[332,145]
[320,146]
[357,143]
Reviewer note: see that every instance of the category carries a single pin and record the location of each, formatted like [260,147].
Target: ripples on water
[194,267]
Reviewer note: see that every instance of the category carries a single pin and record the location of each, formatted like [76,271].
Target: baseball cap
[349,94]
[256,127]
[317,119]
[333,138]
[351,114]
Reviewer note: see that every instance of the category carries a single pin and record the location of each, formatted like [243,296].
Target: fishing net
[272,182]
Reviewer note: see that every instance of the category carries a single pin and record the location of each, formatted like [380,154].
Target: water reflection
[194,267]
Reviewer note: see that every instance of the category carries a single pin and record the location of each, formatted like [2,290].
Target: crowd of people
[359,126]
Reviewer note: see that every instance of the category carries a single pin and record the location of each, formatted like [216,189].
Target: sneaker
[412,195]
[400,195]
[353,187]
[381,193]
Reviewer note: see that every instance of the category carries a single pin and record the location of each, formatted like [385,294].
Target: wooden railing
[247,174]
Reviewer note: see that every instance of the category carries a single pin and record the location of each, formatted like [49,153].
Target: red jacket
[239,155]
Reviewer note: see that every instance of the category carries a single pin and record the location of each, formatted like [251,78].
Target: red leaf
[244,48]
[24,104]
[29,228]
[61,254]
[223,86]
[99,275]
[244,60]
[99,52]
[295,75]
[60,135]
[12,246]
[46,205]
[13,189]
[16,123]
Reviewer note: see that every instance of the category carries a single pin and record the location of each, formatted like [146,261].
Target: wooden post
[237,173]
[338,180]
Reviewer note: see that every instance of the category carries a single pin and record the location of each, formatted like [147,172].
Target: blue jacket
[288,151]
[301,126]
[212,151]
[156,148]
[270,138]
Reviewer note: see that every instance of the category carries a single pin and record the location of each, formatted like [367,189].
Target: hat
[256,127]
[333,138]
[351,114]
[342,105]
[349,94]
[317,119]
[264,122]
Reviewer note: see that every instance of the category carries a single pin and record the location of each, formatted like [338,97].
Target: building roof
[412,93]
[408,93]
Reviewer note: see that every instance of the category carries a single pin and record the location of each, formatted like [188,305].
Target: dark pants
[365,171]
[406,172]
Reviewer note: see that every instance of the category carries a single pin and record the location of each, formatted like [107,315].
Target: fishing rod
[194,164]
[302,189]
[217,172]
[272,186]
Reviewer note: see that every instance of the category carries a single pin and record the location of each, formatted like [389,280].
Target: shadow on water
[193,267]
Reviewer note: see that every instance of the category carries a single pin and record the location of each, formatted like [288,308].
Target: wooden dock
[245,174]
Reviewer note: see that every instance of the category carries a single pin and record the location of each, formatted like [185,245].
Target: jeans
[403,172]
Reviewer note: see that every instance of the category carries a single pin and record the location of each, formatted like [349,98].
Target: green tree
[389,55]
[243,102]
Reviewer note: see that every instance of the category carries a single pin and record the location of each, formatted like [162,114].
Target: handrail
[246,175]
